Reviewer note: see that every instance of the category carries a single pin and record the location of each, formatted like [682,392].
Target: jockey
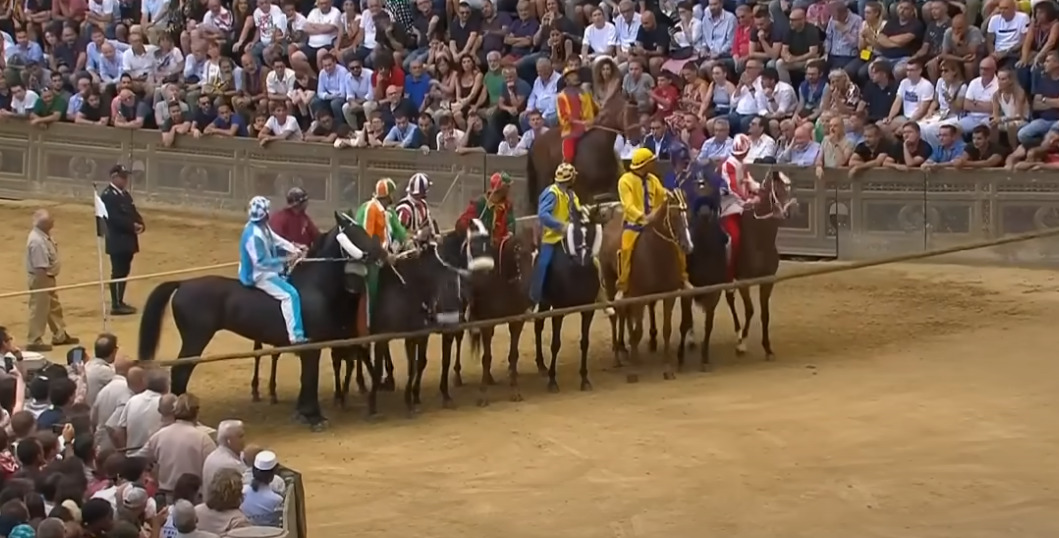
[687,176]
[741,187]
[492,208]
[643,199]
[261,266]
[412,210]
[576,111]
[378,219]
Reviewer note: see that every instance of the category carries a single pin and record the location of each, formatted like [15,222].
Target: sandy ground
[910,400]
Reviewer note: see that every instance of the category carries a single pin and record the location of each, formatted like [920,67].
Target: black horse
[208,304]
[427,288]
[572,280]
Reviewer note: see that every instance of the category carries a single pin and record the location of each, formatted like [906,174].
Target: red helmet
[740,145]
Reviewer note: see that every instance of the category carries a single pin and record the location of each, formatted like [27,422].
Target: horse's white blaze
[479,228]
[597,242]
[687,233]
[571,245]
[448,318]
[349,247]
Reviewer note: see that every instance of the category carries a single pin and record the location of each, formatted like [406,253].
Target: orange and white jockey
[741,188]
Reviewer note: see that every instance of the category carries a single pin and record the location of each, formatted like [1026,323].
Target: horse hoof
[669,376]
[489,380]
[652,345]
[483,402]
[691,344]
[388,385]
[412,412]
[632,378]
[273,400]
[586,386]
[255,398]
[740,349]
[553,387]
[541,370]
[448,404]
[516,397]
[706,367]
[373,418]
[299,418]
[319,426]
[457,380]
[769,357]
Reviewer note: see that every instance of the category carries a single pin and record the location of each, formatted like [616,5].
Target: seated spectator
[543,94]
[762,146]
[449,137]
[536,128]
[227,123]
[660,140]
[371,136]
[665,96]
[175,124]
[947,104]
[92,111]
[392,104]
[913,151]
[982,152]
[841,99]
[509,146]
[252,94]
[914,96]
[1042,157]
[949,148]
[23,102]
[301,97]
[220,513]
[878,95]
[746,103]
[1005,32]
[474,137]
[332,86]
[1011,108]
[470,91]
[963,43]
[49,109]
[778,99]
[187,491]
[129,111]
[257,126]
[625,145]
[426,135]
[185,521]
[75,100]
[841,39]
[261,504]
[279,82]
[417,85]
[637,86]
[900,37]
[718,147]
[786,136]
[835,149]
[280,126]
[811,92]
[873,152]
[325,129]
[978,101]
[801,44]
[203,116]
[1045,101]
[600,37]
[402,134]
[803,150]
[443,86]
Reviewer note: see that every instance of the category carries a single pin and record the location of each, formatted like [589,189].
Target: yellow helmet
[640,158]
[566,172]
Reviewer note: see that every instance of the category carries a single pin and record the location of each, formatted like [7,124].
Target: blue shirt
[92,52]
[333,85]
[109,70]
[74,106]
[714,149]
[234,120]
[417,89]
[405,137]
[812,95]
[718,35]
[263,507]
[30,53]
[942,154]
[805,156]
[1047,87]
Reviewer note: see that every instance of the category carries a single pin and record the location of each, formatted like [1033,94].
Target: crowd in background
[825,83]
[101,449]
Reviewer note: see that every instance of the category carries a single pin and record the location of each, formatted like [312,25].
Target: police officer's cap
[119,170]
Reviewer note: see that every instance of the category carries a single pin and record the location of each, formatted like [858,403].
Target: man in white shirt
[140,62]
[978,101]
[279,82]
[280,126]
[231,440]
[536,128]
[543,95]
[269,25]
[99,371]
[914,95]
[762,146]
[600,38]
[101,15]
[749,95]
[365,41]
[1005,32]
[777,99]
[22,102]
[358,95]
[140,417]
[627,25]
[322,26]
[106,409]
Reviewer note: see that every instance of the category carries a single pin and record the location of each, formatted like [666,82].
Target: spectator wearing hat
[124,226]
[261,505]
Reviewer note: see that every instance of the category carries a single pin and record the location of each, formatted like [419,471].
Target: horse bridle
[682,206]
[779,210]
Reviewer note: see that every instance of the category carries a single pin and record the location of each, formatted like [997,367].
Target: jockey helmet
[384,188]
[678,153]
[258,210]
[571,70]
[740,145]
[418,184]
[565,173]
[641,157]
[297,195]
[498,181]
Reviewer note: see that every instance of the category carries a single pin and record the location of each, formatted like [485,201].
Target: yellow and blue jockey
[643,199]
[557,203]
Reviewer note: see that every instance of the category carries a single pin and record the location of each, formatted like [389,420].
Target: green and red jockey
[492,208]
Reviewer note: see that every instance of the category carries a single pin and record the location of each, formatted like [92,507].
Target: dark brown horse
[654,270]
[758,256]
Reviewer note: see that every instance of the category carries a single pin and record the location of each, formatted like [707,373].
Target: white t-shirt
[106,7]
[289,130]
[25,105]
[598,39]
[1008,33]
[333,17]
[977,91]
[449,143]
[914,94]
[138,65]
[267,23]
[367,25]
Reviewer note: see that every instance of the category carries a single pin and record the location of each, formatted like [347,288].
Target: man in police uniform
[124,224]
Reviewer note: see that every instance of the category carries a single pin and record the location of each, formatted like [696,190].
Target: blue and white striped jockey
[262,265]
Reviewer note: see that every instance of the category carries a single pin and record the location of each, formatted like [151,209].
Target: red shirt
[294,226]
[396,78]
[741,47]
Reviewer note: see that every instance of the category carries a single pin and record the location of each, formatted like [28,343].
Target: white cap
[265,460]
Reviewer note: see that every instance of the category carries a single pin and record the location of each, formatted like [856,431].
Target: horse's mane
[321,240]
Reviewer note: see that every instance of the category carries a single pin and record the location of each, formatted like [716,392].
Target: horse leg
[180,375]
[272,399]
[362,388]
[308,406]
[254,396]
[748,314]
[616,321]
[586,328]
[690,311]
[685,327]
[729,297]
[486,335]
[667,330]
[336,365]
[514,331]
[388,384]
[764,294]
[350,360]
[375,371]
[711,311]
[538,330]
[421,366]
[557,342]
[411,357]
[634,320]
[457,379]
[446,363]
[652,342]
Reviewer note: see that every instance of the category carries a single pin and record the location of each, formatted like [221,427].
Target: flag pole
[101,216]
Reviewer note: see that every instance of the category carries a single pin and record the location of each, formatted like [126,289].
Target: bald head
[42,220]
[137,378]
[122,365]
[167,405]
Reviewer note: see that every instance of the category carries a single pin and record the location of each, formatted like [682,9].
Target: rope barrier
[148,276]
[629,301]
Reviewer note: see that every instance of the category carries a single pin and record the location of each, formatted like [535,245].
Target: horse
[336,363]
[424,289]
[204,305]
[758,256]
[655,248]
[573,279]
[499,293]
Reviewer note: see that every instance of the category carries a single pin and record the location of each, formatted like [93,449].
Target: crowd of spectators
[825,83]
[102,449]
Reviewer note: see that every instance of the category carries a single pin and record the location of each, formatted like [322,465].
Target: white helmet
[418,184]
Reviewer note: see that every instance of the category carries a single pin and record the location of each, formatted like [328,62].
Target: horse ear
[338,219]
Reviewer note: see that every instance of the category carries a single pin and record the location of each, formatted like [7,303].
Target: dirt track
[909,400]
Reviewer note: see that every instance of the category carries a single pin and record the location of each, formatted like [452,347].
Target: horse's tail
[151,320]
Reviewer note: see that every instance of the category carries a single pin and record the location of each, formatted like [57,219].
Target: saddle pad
[356,268]
[362,316]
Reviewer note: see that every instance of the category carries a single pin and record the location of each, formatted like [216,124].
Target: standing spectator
[293,223]
[140,417]
[978,102]
[110,399]
[1045,102]
[124,226]
[1005,33]
[261,505]
[231,440]
[181,447]
[42,266]
[61,396]
[801,45]
[841,38]
[99,370]
[803,150]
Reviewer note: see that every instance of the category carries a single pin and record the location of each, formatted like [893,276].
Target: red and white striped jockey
[743,188]
[412,210]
